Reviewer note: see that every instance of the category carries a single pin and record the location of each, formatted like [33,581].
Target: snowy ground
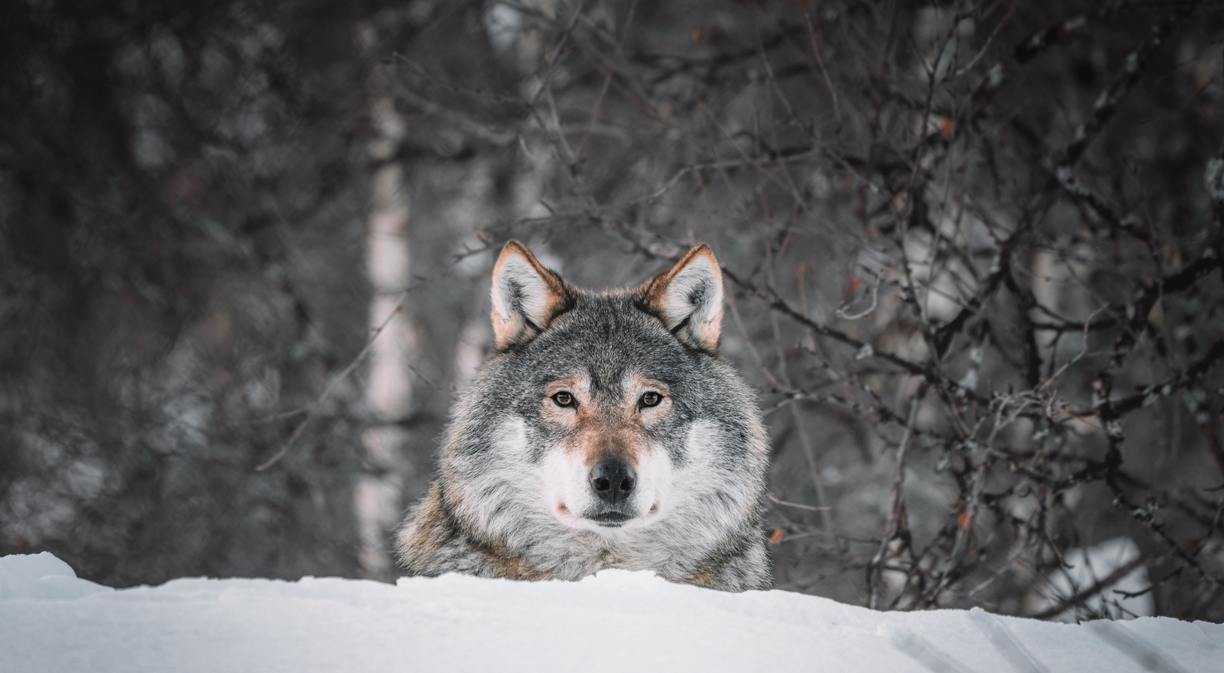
[51,621]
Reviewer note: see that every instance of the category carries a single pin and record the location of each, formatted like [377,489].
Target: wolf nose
[613,480]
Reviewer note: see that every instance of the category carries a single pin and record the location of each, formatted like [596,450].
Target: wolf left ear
[688,299]
[526,296]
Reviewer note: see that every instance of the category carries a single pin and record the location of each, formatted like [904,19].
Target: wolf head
[605,418]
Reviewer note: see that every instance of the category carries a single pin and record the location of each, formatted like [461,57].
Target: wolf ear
[526,296]
[688,299]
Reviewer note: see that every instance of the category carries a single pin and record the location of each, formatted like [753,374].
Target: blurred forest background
[973,252]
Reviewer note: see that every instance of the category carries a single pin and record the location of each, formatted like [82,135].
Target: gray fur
[485,514]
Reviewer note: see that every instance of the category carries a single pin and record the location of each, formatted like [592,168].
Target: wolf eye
[563,398]
[650,399]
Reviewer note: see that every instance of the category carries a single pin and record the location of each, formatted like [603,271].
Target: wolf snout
[613,480]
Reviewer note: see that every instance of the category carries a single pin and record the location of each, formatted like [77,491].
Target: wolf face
[604,432]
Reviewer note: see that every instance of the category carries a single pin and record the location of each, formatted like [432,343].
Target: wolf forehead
[605,337]
[612,344]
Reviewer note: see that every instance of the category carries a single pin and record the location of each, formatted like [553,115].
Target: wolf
[604,431]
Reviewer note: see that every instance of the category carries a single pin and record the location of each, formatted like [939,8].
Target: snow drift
[51,621]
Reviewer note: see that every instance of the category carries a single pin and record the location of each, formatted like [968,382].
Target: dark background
[973,255]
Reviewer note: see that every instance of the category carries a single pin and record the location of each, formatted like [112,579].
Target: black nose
[613,480]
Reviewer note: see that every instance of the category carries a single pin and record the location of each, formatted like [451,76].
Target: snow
[51,621]
[40,576]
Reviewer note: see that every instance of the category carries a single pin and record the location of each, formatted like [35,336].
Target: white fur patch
[567,490]
[654,487]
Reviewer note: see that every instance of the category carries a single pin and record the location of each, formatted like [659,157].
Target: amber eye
[650,399]
[563,398]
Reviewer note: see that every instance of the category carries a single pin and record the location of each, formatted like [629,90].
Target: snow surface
[619,621]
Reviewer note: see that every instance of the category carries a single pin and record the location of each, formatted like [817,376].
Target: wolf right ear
[526,296]
[688,299]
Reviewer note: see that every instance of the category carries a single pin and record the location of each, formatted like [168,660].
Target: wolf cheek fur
[605,432]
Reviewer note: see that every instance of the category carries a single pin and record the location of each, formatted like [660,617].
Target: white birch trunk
[378,493]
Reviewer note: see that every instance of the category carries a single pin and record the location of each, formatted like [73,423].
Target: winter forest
[972,254]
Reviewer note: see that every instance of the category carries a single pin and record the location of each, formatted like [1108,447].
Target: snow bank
[619,621]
